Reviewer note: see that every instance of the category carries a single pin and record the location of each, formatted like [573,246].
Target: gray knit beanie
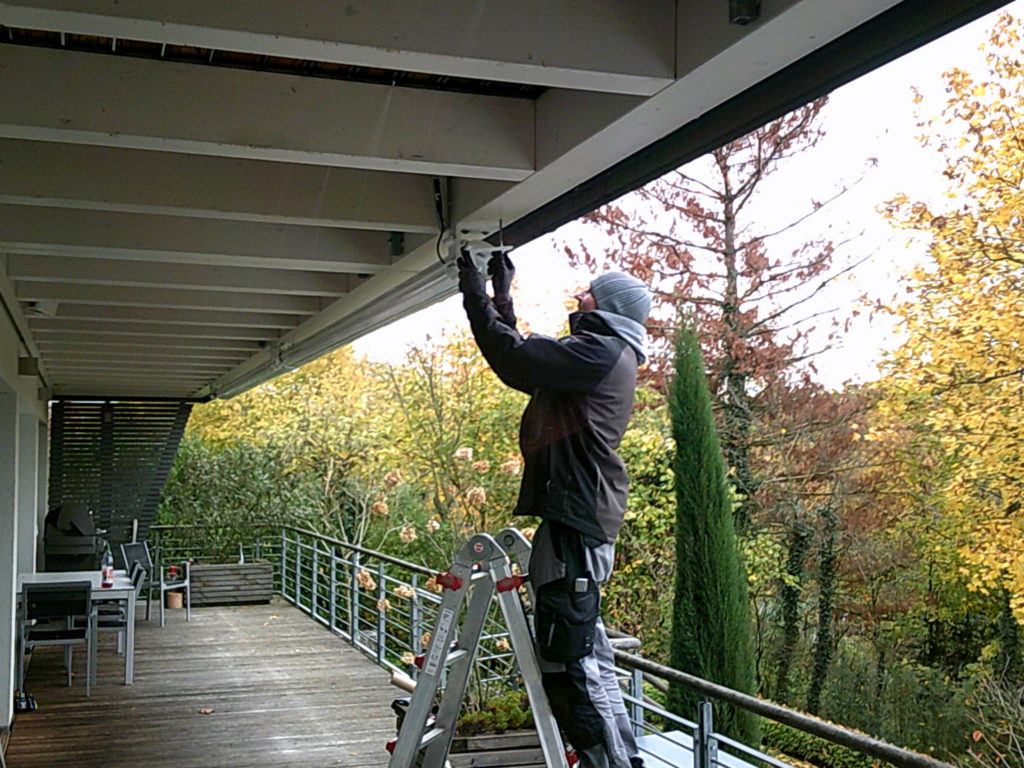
[622,294]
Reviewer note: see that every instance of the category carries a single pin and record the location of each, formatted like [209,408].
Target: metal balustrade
[214,544]
[382,605]
[386,606]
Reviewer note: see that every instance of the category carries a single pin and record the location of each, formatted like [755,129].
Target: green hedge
[813,749]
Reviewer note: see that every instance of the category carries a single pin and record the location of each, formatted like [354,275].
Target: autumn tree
[700,237]
[753,279]
[322,421]
[958,380]
[452,430]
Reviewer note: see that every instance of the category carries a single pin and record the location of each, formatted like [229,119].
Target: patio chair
[47,617]
[183,582]
[112,616]
[138,552]
[157,579]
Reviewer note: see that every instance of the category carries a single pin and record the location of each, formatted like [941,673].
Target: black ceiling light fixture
[744,11]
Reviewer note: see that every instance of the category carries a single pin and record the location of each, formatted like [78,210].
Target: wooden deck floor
[285,692]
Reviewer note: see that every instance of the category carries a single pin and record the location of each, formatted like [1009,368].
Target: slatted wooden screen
[114,456]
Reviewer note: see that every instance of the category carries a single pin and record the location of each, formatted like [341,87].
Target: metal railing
[386,606]
[381,604]
[705,742]
[215,544]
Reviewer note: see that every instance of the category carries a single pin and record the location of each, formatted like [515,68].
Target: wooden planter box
[520,749]
[232,583]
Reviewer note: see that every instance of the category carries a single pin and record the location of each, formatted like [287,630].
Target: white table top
[122,584]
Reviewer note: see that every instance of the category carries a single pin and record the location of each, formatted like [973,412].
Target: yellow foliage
[960,375]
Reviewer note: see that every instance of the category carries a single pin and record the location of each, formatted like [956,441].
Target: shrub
[817,751]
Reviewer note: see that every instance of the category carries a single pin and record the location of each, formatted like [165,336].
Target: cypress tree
[711,630]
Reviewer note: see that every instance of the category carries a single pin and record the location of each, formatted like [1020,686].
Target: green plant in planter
[508,711]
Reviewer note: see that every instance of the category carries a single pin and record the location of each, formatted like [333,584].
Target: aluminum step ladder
[481,571]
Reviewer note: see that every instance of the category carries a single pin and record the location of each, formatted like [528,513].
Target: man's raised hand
[470,279]
[502,271]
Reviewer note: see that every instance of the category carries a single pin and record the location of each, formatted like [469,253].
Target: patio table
[123,590]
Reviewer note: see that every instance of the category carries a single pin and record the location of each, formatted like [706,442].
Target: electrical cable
[442,222]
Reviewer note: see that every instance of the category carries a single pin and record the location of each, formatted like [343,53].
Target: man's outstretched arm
[528,364]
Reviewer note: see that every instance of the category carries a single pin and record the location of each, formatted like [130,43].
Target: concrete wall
[28,488]
[22,475]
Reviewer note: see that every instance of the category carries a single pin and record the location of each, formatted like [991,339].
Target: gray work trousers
[584,694]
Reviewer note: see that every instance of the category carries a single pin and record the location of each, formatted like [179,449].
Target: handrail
[175,526]
[903,758]
[364,551]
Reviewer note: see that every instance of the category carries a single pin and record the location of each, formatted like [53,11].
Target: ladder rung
[454,656]
[431,736]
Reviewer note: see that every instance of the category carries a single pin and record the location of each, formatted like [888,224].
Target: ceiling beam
[141,237]
[98,391]
[215,348]
[106,178]
[100,330]
[177,367]
[73,341]
[35,290]
[605,45]
[128,375]
[71,357]
[71,311]
[135,103]
[150,383]
[64,269]
[121,356]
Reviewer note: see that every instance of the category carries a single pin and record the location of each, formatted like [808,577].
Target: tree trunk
[798,542]
[1009,661]
[823,644]
[735,400]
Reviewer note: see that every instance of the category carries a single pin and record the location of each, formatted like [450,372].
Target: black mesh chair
[47,617]
[139,553]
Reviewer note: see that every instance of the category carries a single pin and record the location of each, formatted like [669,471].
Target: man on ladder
[582,388]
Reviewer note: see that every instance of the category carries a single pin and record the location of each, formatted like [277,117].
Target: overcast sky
[873,117]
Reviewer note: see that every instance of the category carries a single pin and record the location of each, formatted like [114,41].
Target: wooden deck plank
[284,690]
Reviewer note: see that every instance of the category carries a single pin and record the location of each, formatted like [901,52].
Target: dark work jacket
[582,389]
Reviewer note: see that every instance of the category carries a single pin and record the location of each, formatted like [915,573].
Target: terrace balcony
[281,691]
[304,681]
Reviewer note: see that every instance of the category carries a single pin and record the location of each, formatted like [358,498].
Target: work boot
[636,762]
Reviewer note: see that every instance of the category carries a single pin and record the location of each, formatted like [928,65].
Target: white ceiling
[195,196]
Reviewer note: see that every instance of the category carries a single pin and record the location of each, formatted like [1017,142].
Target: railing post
[382,629]
[638,707]
[284,563]
[416,623]
[334,588]
[298,571]
[353,603]
[315,580]
[705,745]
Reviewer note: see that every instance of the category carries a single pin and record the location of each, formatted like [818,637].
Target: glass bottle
[107,568]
